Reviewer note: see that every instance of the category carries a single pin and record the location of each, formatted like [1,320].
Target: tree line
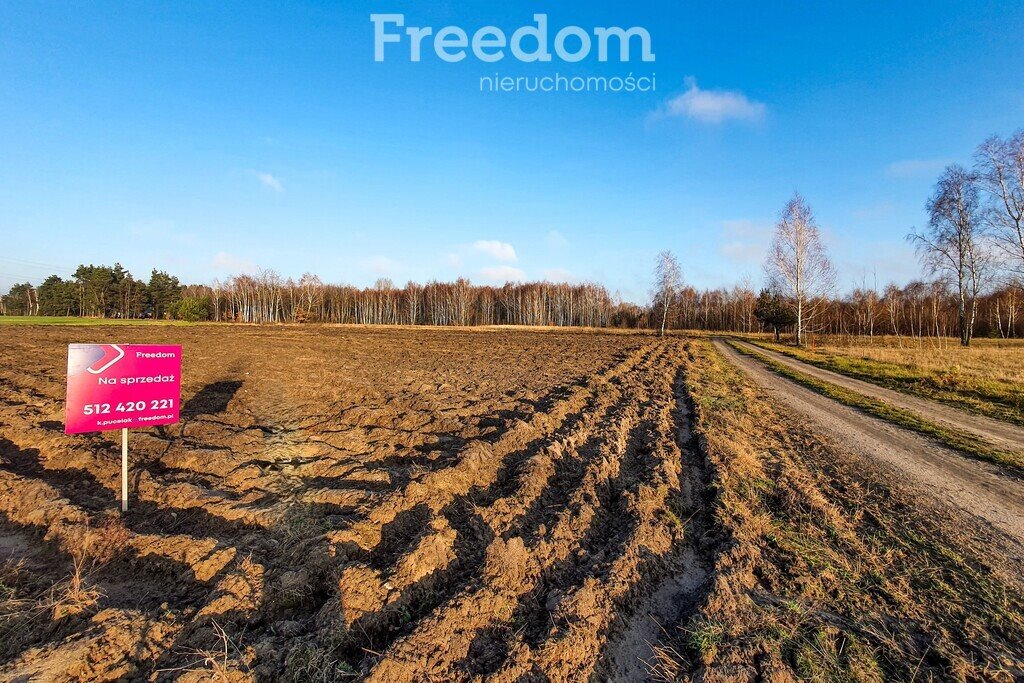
[972,252]
[267,298]
[97,292]
[920,308]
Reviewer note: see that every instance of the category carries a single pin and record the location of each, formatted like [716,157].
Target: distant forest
[921,308]
[972,251]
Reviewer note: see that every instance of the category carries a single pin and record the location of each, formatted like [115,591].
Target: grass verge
[968,445]
[1000,400]
[829,571]
[87,322]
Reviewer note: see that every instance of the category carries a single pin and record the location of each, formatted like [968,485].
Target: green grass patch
[824,653]
[996,399]
[62,320]
[705,637]
[969,445]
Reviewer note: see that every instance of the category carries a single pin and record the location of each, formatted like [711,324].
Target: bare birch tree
[952,244]
[1000,170]
[668,278]
[798,264]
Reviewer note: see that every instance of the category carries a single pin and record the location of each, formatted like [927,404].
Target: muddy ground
[391,504]
[468,505]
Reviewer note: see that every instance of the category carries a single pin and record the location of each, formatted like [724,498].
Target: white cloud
[501,251]
[743,252]
[745,241]
[379,265]
[232,265]
[874,212]
[713,106]
[874,261]
[269,181]
[502,274]
[453,260]
[555,240]
[559,275]
[743,227]
[915,168]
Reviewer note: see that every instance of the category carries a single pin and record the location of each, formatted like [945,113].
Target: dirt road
[1001,434]
[970,485]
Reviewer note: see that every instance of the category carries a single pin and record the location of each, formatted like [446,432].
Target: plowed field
[393,505]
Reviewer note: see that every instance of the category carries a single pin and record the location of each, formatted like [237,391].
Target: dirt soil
[979,488]
[386,504]
[1002,434]
[466,505]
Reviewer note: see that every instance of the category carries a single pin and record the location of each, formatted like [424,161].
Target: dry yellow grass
[997,360]
[986,378]
[832,572]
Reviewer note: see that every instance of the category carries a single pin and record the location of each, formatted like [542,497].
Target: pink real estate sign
[121,386]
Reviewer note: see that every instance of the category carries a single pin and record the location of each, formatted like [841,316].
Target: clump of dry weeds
[222,664]
[12,601]
[90,550]
[37,601]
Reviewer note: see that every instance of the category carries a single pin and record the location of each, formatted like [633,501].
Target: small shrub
[192,309]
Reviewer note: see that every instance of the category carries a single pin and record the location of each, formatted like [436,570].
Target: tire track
[610,528]
[1003,434]
[375,597]
[977,487]
[479,462]
[639,572]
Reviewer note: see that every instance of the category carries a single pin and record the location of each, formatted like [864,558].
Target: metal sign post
[124,470]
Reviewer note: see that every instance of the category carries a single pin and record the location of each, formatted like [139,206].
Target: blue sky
[211,139]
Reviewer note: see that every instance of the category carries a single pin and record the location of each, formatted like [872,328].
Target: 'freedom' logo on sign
[119,386]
